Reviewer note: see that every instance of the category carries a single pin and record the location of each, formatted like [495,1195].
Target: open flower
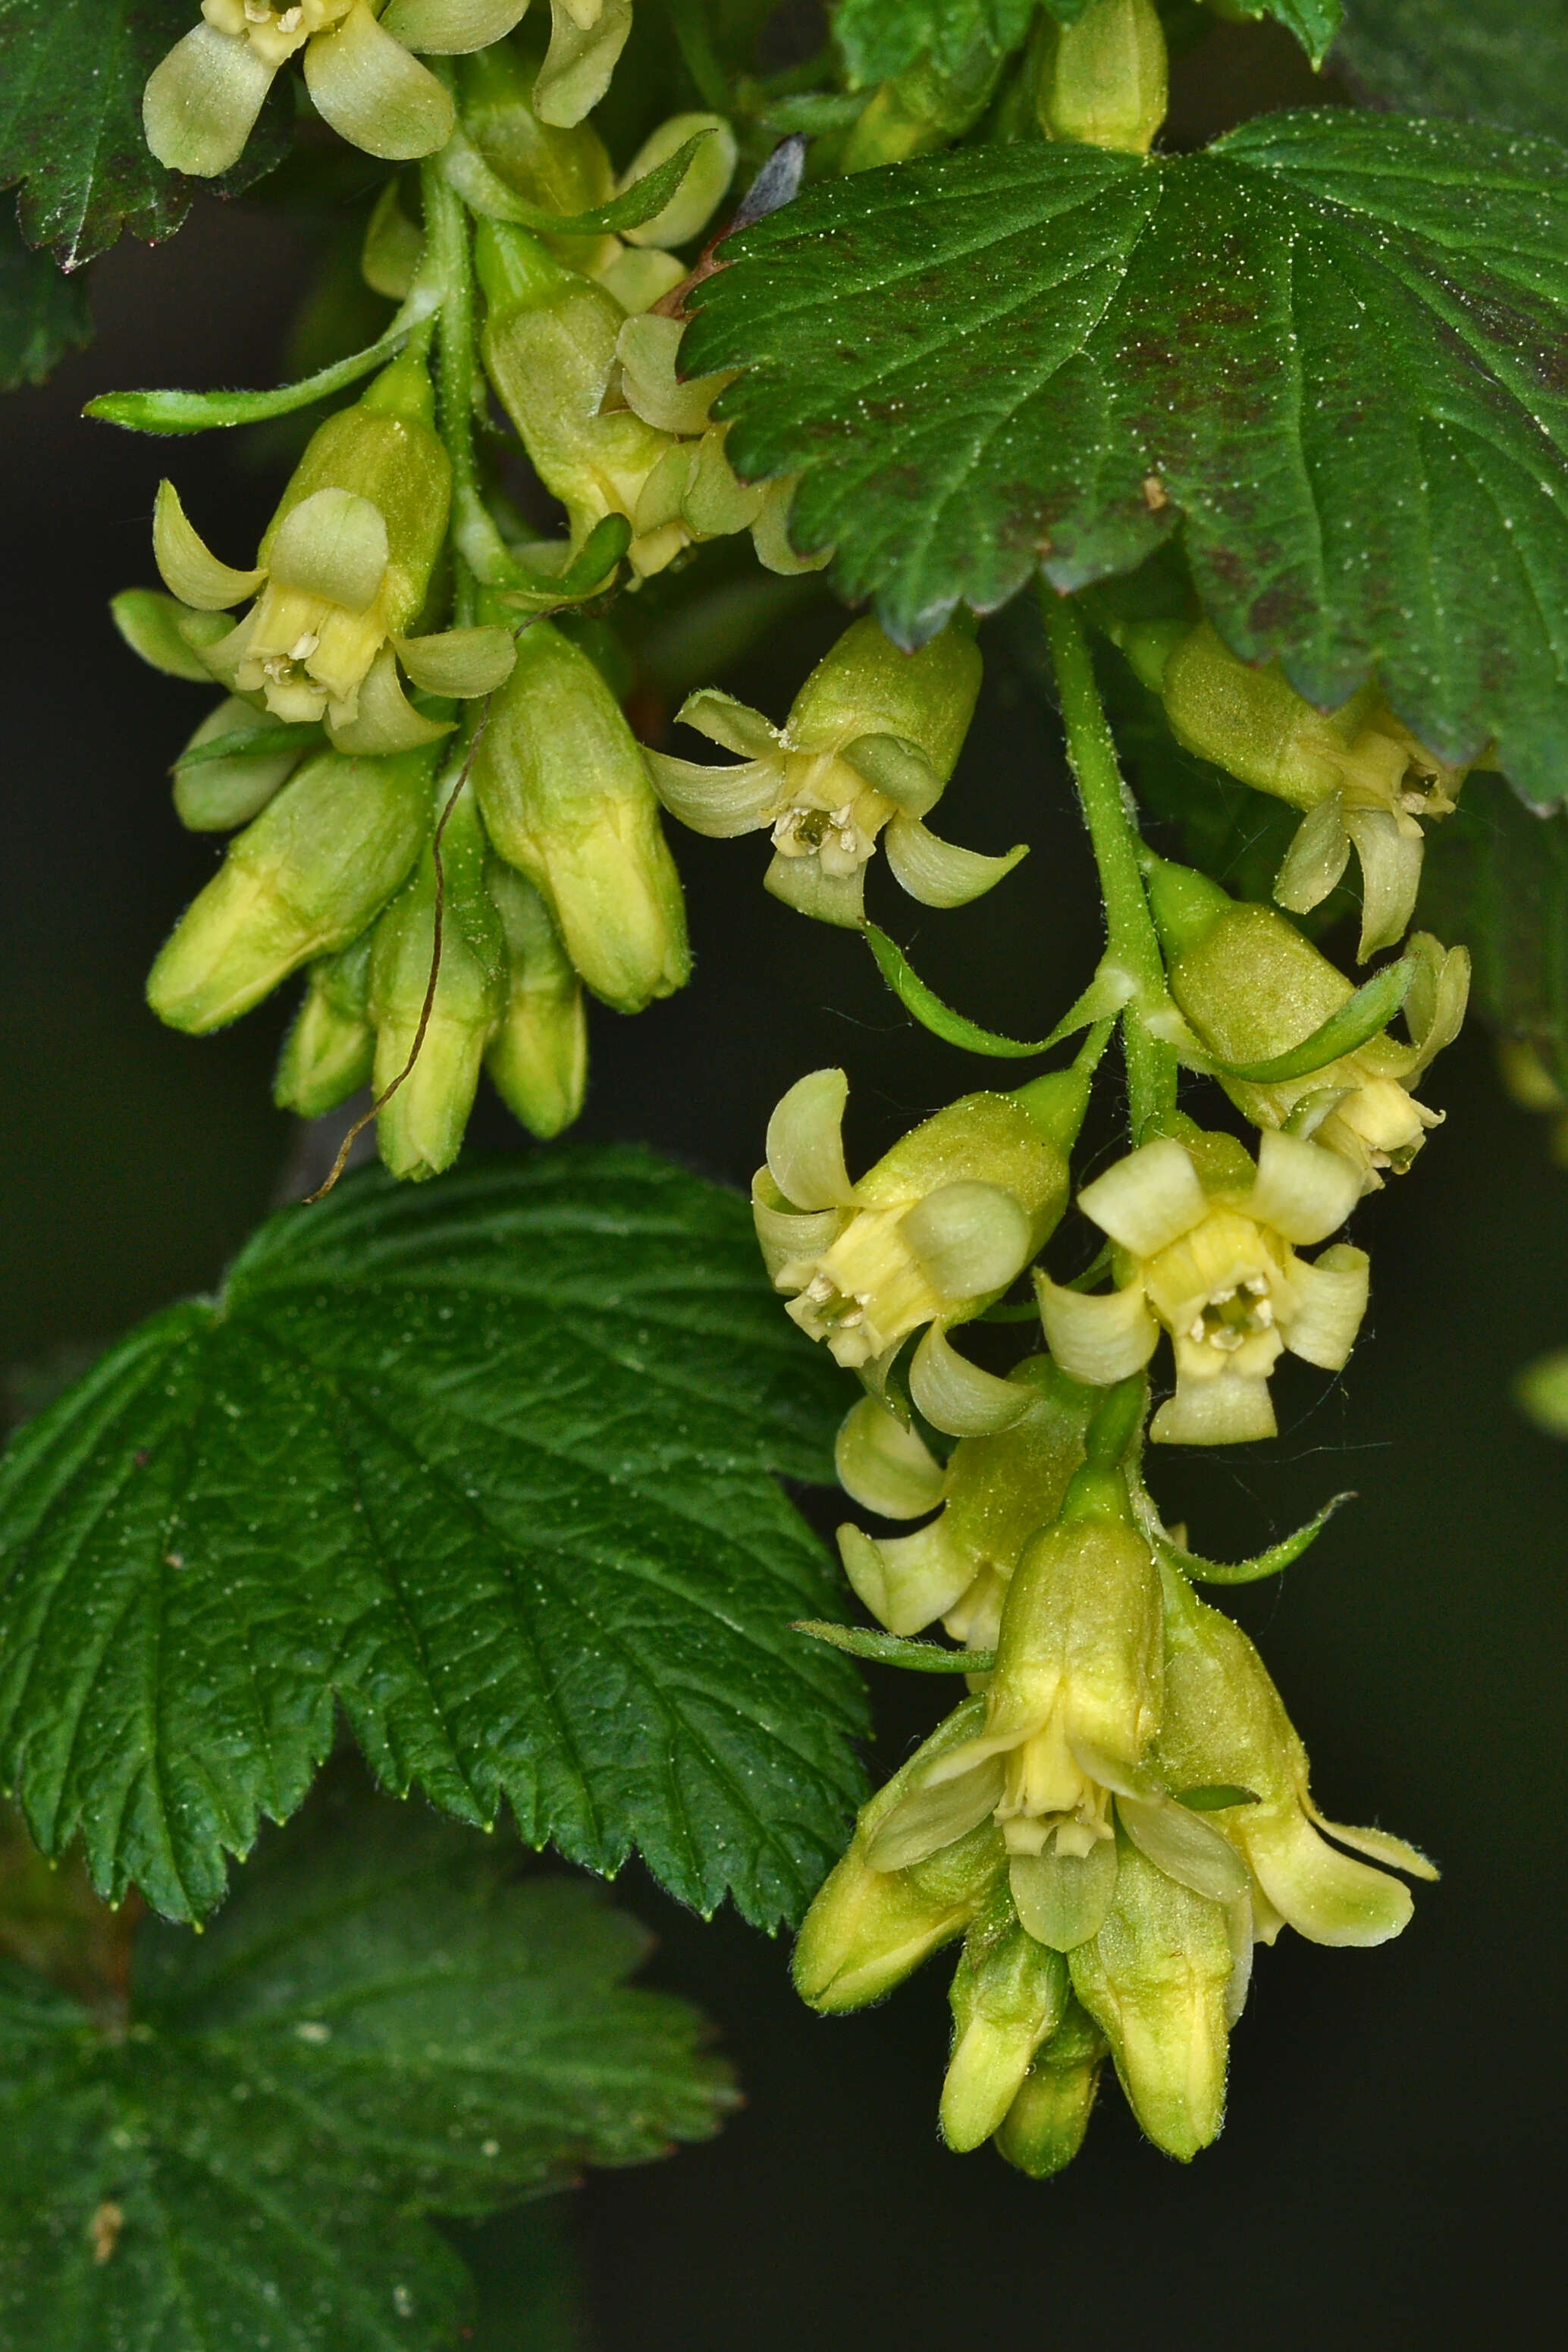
[1363,779]
[936,1229]
[1212,1258]
[343,570]
[202,101]
[865,754]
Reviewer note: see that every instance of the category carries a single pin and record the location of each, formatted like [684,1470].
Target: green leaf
[880,38]
[486,193]
[894,1650]
[1332,345]
[1495,879]
[1313,22]
[71,78]
[1359,1018]
[485,1463]
[1501,61]
[43,313]
[384,2022]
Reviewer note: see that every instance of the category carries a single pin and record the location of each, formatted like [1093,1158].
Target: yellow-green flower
[1208,1246]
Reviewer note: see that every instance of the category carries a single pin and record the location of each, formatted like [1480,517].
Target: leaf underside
[383,2022]
[487,1464]
[1501,61]
[1333,348]
[71,78]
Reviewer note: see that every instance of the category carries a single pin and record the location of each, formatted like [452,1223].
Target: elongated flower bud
[1043,2127]
[301,882]
[1102,79]
[330,1051]
[566,799]
[1008,1996]
[420,1127]
[538,1058]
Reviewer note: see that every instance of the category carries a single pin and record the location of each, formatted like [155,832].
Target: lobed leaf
[880,38]
[1330,348]
[487,1465]
[1504,62]
[43,313]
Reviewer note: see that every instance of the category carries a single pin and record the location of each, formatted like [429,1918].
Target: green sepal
[589,574]
[1214,1798]
[1106,994]
[1361,1018]
[486,193]
[1245,1571]
[893,1649]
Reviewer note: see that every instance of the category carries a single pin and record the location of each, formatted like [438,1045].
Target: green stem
[481,553]
[1130,937]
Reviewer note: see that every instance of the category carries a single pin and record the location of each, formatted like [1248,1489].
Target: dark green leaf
[1496,880]
[1313,22]
[43,313]
[384,2022]
[893,1649]
[486,1463]
[1494,60]
[1332,345]
[71,78]
[880,38]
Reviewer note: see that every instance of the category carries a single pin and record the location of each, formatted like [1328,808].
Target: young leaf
[1493,60]
[488,1465]
[384,2022]
[71,78]
[43,313]
[1495,881]
[1330,344]
[878,38]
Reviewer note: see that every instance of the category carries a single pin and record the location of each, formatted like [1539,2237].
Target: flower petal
[1316,857]
[1302,1189]
[1096,1340]
[800,883]
[1148,1199]
[461,662]
[806,1142]
[200,101]
[374,93]
[906,1581]
[1330,1300]
[1381,1844]
[648,349]
[580,58]
[900,770]
[938,873]
[956,1396]
[1390,876]
[722,802]
[1185,1847]
[1230,1409]
[935,1815]
[770,532]
[734,726]
[386,721]
[1323,1894]
[332,544]
[1439,993]
[150,624]
[970,1238]
[785,1236]
[188,566]
[884,1467]
[1063,1899]
[451,28]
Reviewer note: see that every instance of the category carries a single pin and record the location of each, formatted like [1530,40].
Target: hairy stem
[1130,937]
[478,545]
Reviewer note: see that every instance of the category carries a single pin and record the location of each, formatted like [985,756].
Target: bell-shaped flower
[994,1493]
[933,1233]
[865,754]
[872,1923]
[344,570]
[1253,988]
[1207,1248]
[1073,1703]
[1225,1728]
[200,101]
[1360,775]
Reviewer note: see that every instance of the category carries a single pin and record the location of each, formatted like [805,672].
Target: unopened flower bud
[924,107]
[1102,79]
[996,1493]
[1207,1243]
[874,1921]
[215,794]
[1253,987]
[1156,1979]
[936,1229]
[1225,1727]
[538,1058]
[865,754]
[329,1053]
[586,38]
[1044,2128]
[700,193]
[420,1126]
[302,881]
[1008,1995]
[566,799]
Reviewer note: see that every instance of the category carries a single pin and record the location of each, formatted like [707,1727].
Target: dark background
[1390,2169]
